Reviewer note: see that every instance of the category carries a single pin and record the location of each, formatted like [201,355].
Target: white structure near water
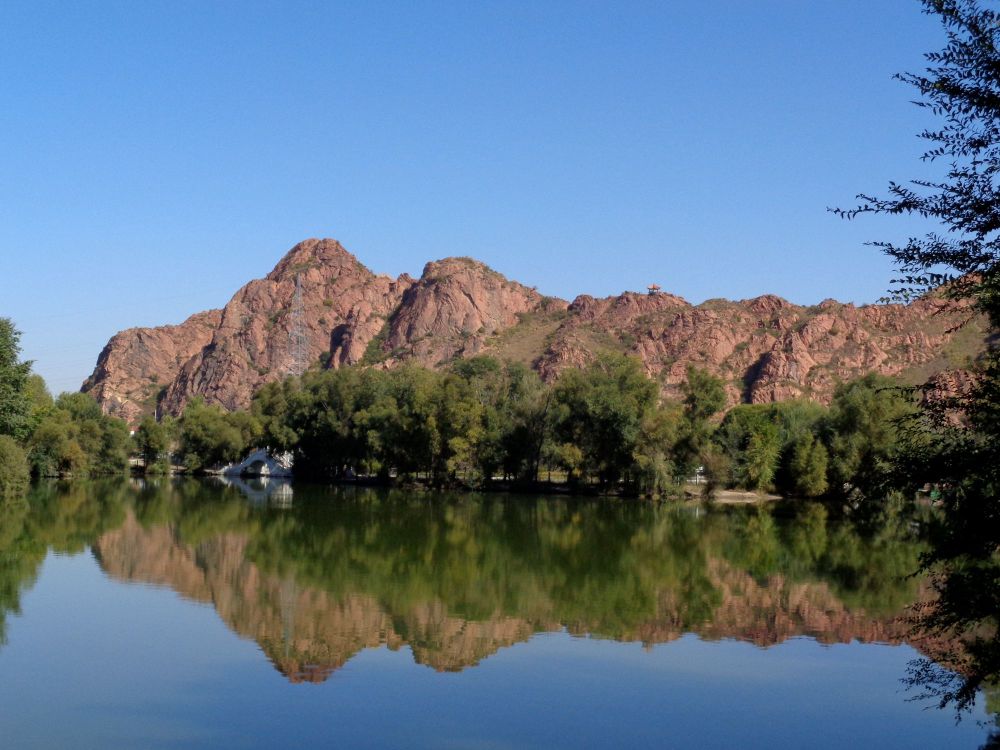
[260,463]
[262,490]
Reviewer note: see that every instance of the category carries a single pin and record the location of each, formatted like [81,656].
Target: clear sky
[156,156]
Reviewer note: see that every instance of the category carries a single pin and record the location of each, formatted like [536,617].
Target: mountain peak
[765,349]
[313,253]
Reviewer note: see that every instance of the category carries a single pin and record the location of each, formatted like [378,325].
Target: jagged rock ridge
[321,307]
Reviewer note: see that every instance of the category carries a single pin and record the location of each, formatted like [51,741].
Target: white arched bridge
[260,463]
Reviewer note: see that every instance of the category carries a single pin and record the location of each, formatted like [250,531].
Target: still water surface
[196,615]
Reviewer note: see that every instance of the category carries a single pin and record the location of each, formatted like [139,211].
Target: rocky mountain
[320,307]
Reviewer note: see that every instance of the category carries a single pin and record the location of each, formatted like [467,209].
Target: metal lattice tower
[297,332]
[288,597]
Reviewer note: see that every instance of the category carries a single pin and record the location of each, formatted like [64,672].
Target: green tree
[103,439]
[865,422]
[39,397]
[601,410]
[459,417]
[511,403]
[14,473]
[210,436]
[704,395]
[761,457]
[113,453]
[53,448]
[153,440]
[15,402]
[272,406]
[324,417]
[760,443]
[74,437]
[798,421]
[414,439]
[374,421]
[249,428]
[750,439]
[655,470]
[491,389]
[808,467]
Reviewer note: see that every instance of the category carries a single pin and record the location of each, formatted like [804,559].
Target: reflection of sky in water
[93,663]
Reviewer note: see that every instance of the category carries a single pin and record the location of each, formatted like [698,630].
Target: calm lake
[195,614]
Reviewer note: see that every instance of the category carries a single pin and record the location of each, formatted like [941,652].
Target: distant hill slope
[321,307]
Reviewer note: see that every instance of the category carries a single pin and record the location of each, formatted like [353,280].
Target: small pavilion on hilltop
[653,288]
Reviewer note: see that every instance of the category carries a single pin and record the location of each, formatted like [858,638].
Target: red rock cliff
[321,307]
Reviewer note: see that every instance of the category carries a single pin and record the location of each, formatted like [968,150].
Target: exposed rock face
[136,364]
[766,349]
[454,309]
[321,307]
[282,323]
[319,299]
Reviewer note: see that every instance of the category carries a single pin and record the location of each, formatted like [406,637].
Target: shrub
[14,473]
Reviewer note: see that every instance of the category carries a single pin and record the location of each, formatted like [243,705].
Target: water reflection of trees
[56,516]
[458,576]
[19,558]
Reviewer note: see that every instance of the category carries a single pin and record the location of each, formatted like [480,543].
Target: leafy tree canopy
[15,404]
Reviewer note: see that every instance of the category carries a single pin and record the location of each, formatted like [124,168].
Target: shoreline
[690,492]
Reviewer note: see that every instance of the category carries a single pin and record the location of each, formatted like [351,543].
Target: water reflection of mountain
[458,578]
[306,632]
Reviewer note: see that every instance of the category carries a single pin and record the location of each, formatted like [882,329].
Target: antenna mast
[297,333]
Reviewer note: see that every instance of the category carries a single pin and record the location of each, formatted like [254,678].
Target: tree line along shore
[481,423]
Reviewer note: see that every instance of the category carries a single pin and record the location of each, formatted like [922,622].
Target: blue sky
[156,156]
